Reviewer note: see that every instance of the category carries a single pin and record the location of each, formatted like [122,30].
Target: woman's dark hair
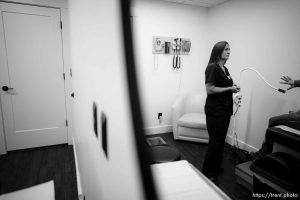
[217,52]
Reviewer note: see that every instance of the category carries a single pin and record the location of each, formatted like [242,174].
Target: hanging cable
[155,61]
[249,68]
[237,101]
[238,97]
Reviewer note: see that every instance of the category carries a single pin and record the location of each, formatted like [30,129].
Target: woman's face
[226,52]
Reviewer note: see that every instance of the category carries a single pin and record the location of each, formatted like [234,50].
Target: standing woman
[218,107]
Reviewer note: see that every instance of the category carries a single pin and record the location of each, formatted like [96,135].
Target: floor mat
[155,141]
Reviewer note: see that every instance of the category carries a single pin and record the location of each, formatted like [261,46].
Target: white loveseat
[188,118]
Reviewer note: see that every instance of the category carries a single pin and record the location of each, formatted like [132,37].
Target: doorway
[32,76]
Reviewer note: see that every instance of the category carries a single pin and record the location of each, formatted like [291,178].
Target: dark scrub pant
[217,127]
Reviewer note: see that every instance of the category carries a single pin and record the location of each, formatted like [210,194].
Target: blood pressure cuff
[283,137]
[280,168]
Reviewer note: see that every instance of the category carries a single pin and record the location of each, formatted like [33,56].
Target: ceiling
[203,3]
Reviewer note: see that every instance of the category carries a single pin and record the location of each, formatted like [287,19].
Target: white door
[31,66]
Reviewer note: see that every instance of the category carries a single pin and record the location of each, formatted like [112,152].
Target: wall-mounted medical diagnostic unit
[171,45]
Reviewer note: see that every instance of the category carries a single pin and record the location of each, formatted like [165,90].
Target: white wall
[159,86]
[99,76]
[263,34]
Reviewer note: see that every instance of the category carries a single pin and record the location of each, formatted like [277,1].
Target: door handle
[5,88]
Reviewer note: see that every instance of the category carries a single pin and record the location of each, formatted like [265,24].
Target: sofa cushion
[193,134]
[193,120]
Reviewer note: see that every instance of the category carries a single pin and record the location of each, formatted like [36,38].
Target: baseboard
[242,144]
[158,129]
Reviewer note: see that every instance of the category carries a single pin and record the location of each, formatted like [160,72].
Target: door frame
[66,65]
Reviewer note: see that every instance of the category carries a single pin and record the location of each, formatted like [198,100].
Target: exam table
[181,181]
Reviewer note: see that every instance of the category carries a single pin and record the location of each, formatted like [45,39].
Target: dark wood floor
[195,152]
[24,168]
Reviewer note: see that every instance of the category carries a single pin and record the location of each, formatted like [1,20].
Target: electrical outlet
[159,115]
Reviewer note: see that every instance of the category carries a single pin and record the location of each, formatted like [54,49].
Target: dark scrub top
[219,104]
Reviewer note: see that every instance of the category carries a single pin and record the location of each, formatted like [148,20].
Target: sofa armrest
[177,112]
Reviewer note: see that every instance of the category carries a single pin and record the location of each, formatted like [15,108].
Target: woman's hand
[235,88]
[211,89]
